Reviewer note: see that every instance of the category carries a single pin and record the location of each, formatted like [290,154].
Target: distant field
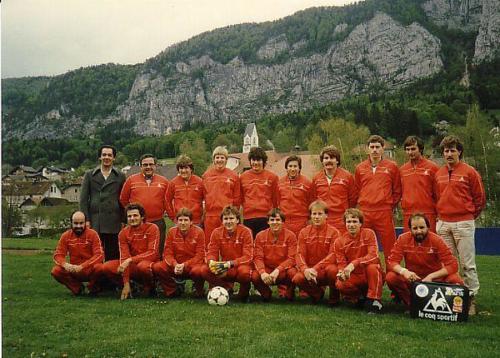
[41,319]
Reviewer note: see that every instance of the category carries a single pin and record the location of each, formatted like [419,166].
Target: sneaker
[472,307]
[373,306]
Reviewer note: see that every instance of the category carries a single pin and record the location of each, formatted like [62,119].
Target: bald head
[78,223]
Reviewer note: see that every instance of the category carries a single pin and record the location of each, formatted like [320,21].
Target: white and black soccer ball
[218,296]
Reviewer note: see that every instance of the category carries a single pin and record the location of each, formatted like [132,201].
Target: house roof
[24,168]
[249,129]
[19,188]
[53,202]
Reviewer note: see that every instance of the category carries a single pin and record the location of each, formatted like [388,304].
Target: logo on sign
[437,303]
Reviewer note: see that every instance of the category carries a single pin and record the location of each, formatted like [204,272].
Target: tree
[11,218]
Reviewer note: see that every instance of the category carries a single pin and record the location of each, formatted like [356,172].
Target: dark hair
[184,161]
[450,142]
[136,206]
[375,139]
[184,212]
[293,158]
[106,146]
[257,153]
[276,212]
[416,216]
[231,210]
[318,204]
[332,151]
[74,212]
[414,140]
[144,156]
[354,212]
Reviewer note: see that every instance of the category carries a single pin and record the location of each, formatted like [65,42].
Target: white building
[250,138]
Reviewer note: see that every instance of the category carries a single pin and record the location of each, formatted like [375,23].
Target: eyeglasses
[148,165]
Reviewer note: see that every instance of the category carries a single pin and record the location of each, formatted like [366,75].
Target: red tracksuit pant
[166,276]
[284,278]
[401,286]
[367,283]
[209,225]
[73,281]
[141,272]
[326,277]
[241,274]
[383,224]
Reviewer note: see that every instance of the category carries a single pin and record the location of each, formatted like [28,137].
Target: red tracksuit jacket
[237,247]
[84,250]
[185,195]
[378,191]
[273,254]
[221,188]
[339,195]
[460,193]
[294,196]
[361,250]
[315,247]
[188,249]
[418,185]
[151,196]
[259,193]
[422,258]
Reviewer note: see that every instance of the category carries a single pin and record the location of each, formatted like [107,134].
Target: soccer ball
[218,296]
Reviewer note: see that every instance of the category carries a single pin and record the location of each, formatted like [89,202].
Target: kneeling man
[183,256]
[315,256]
[360,275]
[138,243]
[229,254]
[274,257]
[427,259]
[85,255]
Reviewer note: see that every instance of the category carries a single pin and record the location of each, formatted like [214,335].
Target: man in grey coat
[99,200]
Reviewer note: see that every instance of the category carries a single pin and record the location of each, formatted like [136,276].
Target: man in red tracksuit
[294,195]
[221,187]
[138,243]
[229,255]
[85,254]
[418,183]
[259,191]
[274,257]
[315,256]
[183,256]
[335,186]
[360,274]
[460,200]
[148,189]
[427,259]
[379,188]
[185,191]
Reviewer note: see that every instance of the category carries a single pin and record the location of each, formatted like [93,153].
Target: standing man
[185,191]
[316,261]
[427,259]
[259,191]
[99,201]
[138,251]
[274,257]
[460,200]
[335,186]
[294,195]
[148,189]
[221,188]
[183,256]
[379,186]
[229,255]
[83,246]
[418,183]
[360,274]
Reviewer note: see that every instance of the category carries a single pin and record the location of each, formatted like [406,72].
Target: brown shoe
[472,307]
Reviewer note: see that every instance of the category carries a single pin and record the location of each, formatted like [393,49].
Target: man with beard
[229,255]
[335,186]
[360,274]
[259,191]
[185,191]
[316,257]
[427,258]
[148,189]
[99,200]
[221,188]
[274,257]
[417,183]
[138,251]
[85,254]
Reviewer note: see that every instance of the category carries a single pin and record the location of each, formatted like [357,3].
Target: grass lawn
[40,318]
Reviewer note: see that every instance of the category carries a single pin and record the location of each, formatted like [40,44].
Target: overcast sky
[49,37]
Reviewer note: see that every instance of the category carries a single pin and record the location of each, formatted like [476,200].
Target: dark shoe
[373,306]
[395,298]
[361,302]
[81,291]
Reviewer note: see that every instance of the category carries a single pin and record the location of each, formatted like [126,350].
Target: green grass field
[41,319]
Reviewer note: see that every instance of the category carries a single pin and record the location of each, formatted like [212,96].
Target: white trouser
[459,236]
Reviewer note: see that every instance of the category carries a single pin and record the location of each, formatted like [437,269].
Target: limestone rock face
[488,40]
[455,14]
